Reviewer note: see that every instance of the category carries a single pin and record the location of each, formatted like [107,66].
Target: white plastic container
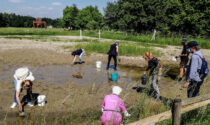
[174,59]
[98,64]
[41,100]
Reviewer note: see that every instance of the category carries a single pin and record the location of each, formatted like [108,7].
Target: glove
[127,114]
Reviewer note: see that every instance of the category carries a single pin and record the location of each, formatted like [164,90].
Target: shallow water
[81,74]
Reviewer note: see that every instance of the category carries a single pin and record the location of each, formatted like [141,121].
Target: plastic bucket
[41,100]
[114,76]
[98,64]
[174,59]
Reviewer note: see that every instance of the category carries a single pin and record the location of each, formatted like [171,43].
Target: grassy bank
[204,42]
[125,49]
[199,116]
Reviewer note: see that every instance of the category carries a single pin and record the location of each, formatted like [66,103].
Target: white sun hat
[116,90]
[23,73]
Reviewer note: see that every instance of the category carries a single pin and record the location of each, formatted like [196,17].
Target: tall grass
[125,49]
[143,38]
[200,116]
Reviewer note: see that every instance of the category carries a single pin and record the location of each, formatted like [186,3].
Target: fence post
[176,111]
[80,34]
[99,34]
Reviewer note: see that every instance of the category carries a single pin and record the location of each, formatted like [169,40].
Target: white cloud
[56,4]
[15,1]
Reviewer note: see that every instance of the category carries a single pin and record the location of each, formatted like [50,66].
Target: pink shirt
[113,102]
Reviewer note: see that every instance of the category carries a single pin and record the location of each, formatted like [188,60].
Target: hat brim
[30,77]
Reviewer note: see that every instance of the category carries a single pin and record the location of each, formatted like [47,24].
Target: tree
[110,15]
[89,18]
[70,15]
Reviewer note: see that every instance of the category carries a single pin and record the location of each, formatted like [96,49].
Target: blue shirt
[195,65]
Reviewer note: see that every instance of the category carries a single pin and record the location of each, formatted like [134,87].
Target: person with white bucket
[112,106]
[23,79]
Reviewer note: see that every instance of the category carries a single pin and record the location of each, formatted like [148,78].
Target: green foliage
[195,117]
[89,18]
[69,16]
[186,17]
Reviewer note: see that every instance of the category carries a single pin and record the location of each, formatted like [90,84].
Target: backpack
[204,71]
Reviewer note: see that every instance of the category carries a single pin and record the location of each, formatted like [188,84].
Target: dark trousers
[115,61]
[29,94]
[194,88]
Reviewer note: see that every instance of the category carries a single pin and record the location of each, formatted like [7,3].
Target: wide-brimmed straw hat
[23,73]
[116,90]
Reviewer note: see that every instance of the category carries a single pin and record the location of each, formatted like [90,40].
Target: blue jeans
[80,56]
[15,84]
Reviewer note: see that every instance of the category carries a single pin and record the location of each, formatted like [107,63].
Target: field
[77,100]
[143,38]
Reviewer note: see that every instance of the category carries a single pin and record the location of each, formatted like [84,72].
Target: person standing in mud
[79,53]
[112,106]
[194,81]
[155,68]
[184,59]
[22,80]
[113,53]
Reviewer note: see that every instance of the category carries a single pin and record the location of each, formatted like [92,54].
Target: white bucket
[98,64]
[41,100]
[174,59]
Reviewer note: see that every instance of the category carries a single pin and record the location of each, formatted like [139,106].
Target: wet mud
[76,88]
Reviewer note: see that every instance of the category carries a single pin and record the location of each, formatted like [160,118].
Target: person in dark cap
[184,57]
[113,53]
[194,81]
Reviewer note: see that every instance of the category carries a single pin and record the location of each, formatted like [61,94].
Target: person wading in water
[113,53]
[155,67]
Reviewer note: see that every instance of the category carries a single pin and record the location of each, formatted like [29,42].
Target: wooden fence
[177,109]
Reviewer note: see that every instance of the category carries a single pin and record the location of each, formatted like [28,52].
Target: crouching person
[112,107]
[22,80]
[79,53]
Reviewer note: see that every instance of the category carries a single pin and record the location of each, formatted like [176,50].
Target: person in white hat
[22,80]
[112,106]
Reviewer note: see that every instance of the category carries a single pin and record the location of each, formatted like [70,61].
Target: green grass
[199,116]
[125,49]
[175,40]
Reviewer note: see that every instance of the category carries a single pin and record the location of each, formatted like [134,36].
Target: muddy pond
[81,74]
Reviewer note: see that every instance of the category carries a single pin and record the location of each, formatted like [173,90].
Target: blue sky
[46,8]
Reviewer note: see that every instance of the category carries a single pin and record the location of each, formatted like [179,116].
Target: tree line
[139,16]
[136,16]
[180,16]
[13,20]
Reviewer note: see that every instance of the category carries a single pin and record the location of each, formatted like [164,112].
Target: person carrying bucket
[113,53]
[155,67]
[112,106]
[23,79]
[79,53]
